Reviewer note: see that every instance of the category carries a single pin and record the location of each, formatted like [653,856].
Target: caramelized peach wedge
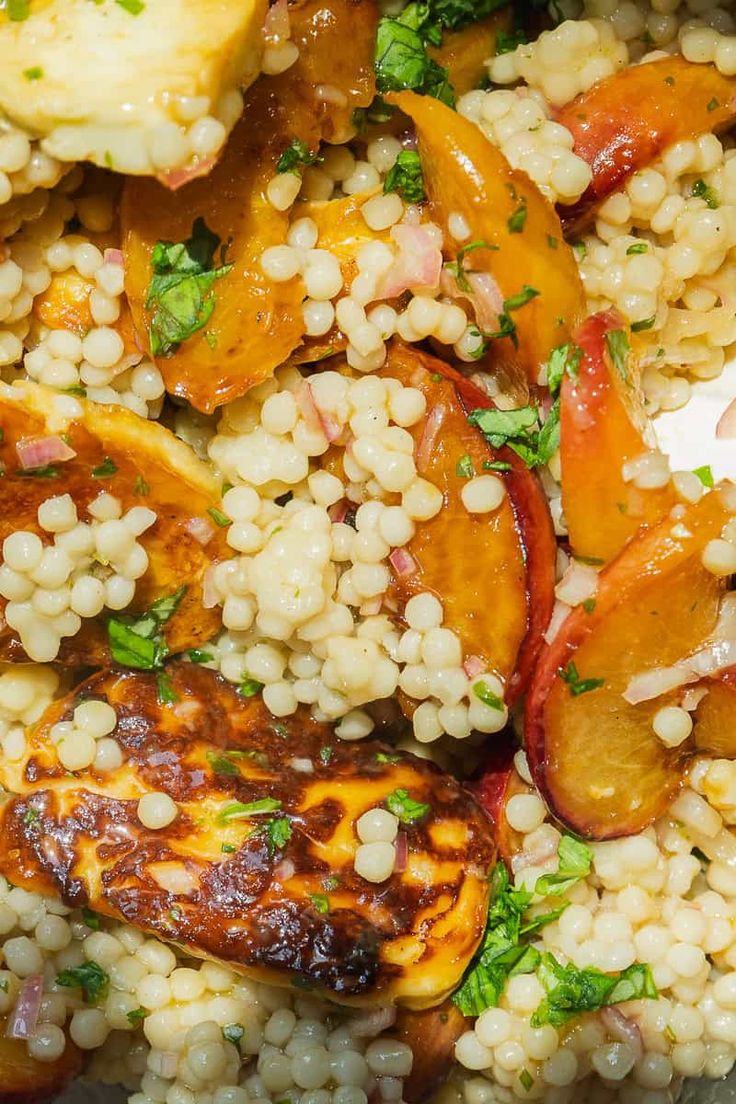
[502,636]
[520,270]
[606,735]
[606,444]
[102,515]
[626,121]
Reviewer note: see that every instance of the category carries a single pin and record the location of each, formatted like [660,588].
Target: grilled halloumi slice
[118,82]
[272,891]
[140,463]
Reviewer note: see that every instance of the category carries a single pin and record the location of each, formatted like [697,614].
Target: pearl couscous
[607,972]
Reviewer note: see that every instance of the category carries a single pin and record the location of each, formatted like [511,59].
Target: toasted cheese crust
[242,897]
[111,76]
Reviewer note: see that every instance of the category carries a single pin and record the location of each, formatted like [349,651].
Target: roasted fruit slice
[715,720]
[25,1080]
[464,52]
[432,1035]
[603,425]
[499,781]
[534,289]
[256,323]
[109,449]
[595,757]
[256,864]
[626,121]
[496,599]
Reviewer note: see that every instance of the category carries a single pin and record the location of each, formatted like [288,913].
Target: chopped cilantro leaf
[575,683]
[701,190]
[464,468]
[638,247]
[239,810]
[294,158]
[91,919]
[164,690]
[89,977]
[233,1033]
[526,1079]
[401,60]
[522,430]
[618,347]
[180,293]
[134,7]
[405,807]
[515,222]
[278,833]
[219,518]
[137,1015]
[138,642]
[507,41]
[643,324]
[571,991]
[221,763]
[34,73]
[386,757]
[457,267]
[196,655]
[406,178]
[482,690]
[713,104]
[575,858]
[325,754]
[249,687]
[320,903]
[47,471]
[705,475]
[563,360]
[228,849]
[106,469]
[140,487]
[18,10]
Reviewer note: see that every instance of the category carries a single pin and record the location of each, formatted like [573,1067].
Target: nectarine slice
[476,564]
[140,463]
[518,230]
[602,425]
[594,757]
[626,121]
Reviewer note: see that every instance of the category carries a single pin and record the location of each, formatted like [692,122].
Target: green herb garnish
[295,157]
[180,293]
[406,178]
[575,683]
[406,808]
[571,991]
[138,642]
[89,977]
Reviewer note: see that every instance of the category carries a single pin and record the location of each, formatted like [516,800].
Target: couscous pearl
[280,262]
[156,810]
[672,725]
[377,826]
[375,861]
[423,612]
[482,494]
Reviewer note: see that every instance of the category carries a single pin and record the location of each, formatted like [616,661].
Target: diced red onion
[726,427]
[432,426]
[708,661]
[402,562]
[327,423]
[473,666]
[578,583]
[544,850]
[484,296]
[175,178]
[201,529]
[114,257]
[408,139]
[338,511]
[371,606]
[402,853]
[276,25]
[417,264]
[560,611]
[24,1016]
[623,1029]
[284,871]
[330,93]
[304,766]
[692,698]
[372,1022]
[210,593]
[37,452]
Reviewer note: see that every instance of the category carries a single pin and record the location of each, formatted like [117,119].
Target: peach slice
[715,718]
[25,1080]
[498,782]
[602,425]
[626,121]
[500,611]
[594,757]
[256,323]
[515,231]
[142,464]
[464,52]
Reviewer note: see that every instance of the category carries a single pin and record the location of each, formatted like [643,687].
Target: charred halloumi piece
[257,868]
[140,463]
[119,83]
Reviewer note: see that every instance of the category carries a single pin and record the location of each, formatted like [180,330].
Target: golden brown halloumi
[281,902]
[111,80]
[142,464]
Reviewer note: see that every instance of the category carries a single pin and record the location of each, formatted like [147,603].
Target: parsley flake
[464,468]
[138,642]
[575,683]
[89,977]
[406,177]
[295,157]
[405,807]
[705,475]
